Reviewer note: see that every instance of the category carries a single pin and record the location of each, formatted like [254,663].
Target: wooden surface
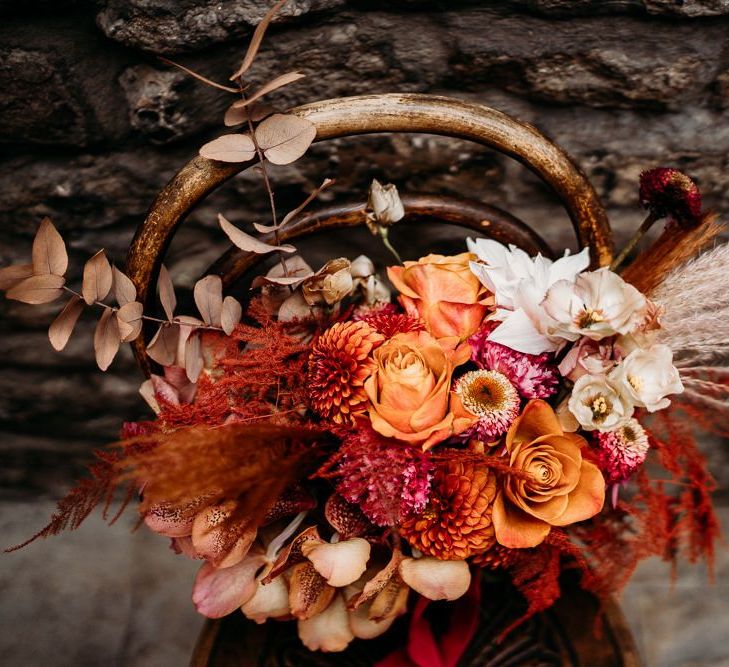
[569,634]
[381,113]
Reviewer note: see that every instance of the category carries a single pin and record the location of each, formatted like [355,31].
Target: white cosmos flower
[599,403]
[596,305]
[519,284]
[648,376]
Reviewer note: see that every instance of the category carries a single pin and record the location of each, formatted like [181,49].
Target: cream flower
[599,403]
[384,205]
[366,281]
[597,305]
[519,284]
[587,357]
[648,376]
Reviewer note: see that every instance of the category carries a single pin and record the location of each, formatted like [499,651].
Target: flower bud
[385,205]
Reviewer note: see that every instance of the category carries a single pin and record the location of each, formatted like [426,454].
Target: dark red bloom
[669,193]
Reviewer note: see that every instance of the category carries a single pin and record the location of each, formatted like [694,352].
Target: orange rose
[563,488]
[443,293]
[409,389]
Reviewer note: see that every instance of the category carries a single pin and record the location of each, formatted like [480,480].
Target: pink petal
[219,591]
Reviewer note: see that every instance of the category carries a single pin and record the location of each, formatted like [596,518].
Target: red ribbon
[422,650]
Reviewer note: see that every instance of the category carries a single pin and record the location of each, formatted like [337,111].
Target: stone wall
[92,125]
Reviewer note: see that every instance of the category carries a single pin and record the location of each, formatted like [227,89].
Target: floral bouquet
[336,448]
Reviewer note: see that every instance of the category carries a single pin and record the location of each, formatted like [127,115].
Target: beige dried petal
[328,631]
[222,544]
[436,579]
[62,327]
[256,40]
[208,295]
[97,279]
[124,290]
[106,339]
[14,274]
[330,284]
[379,581]
[49,251]
[37,289]
[274,84]
[130,321]
[269,601]
[193,357]
[166,292]
[385,203]
[340,564]
[230,148]
[309,593]
[294,308]
[231,313]
[363,627]
[147,392]
[285,138]
[391,601]
[163,346]
[362,267]
[250,243]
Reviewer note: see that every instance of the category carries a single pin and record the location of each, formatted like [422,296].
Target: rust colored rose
[562,487]
[443,293]
[409,389]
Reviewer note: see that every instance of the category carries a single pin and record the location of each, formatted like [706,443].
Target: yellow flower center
[484,392]
[588,317]
[635,382]
[601,407]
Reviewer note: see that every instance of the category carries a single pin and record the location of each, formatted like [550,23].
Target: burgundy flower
[669,193]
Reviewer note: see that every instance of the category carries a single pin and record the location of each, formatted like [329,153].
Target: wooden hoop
[368,114]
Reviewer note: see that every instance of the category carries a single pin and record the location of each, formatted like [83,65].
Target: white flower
[519,284]
[599,403]
[597,305]
[385,203]
[366,280]
[648,376]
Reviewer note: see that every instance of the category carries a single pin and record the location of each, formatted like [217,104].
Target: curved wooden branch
[384,113]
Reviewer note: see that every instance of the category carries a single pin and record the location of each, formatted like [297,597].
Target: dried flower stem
[630,246]
[267,183]
[148,318]
[385,236]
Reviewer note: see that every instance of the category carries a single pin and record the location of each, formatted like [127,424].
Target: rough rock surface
[92,125]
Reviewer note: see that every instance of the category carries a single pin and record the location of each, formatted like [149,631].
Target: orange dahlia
[498,557]
[339,364]
[457,522]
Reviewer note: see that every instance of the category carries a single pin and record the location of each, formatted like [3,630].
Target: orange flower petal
[516,529]
[588,497]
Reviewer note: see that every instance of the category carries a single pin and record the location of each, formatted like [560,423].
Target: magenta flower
[533,375]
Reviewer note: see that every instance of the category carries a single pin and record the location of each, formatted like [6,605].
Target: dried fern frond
[77,505]
[251,464]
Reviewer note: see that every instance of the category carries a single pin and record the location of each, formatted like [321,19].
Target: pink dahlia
[489,396]
[621,451]
[534,376]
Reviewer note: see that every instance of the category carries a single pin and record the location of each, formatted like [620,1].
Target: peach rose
[409,389]
[443,293]
[563,488]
